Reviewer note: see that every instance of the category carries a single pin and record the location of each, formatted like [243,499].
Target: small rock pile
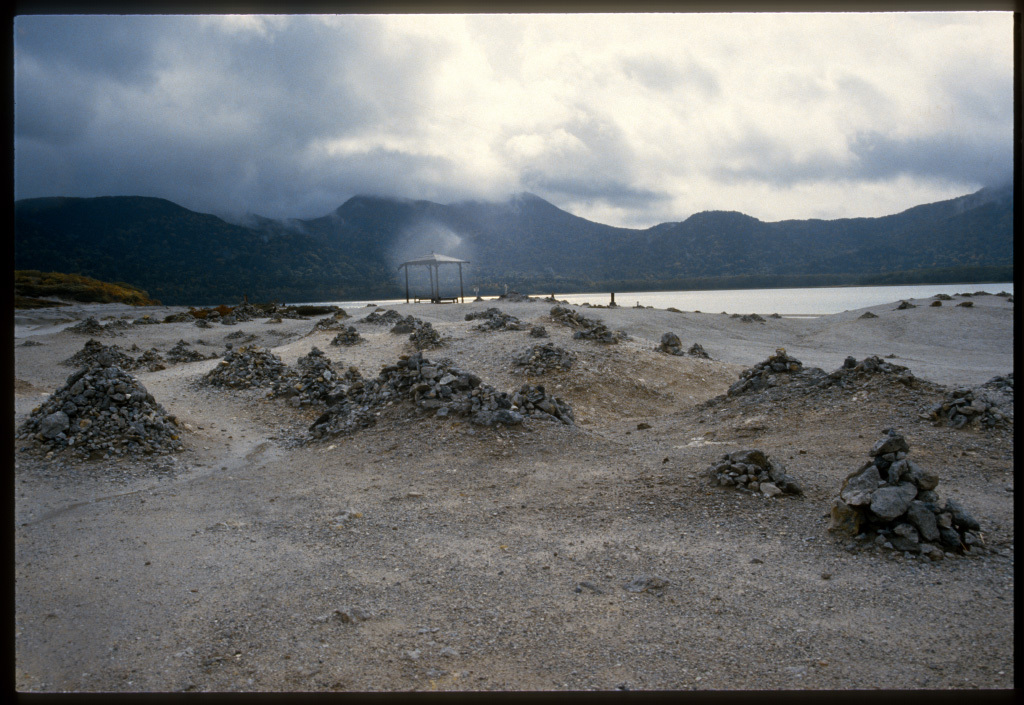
[754,471]
[247,367]
[935,303]
[96,353]
[90,326]
[892,499]
[246,312]
[542,358]
[586,328]
[102,410]
[904,305]
[314,382]
[495,319]
[183,352]
[766,374]
[515,297]
[332,322]
[943,297]
[347,336]
[868,314]
[749,318]
[442,389]
[384,317]
[538,332]
[425,337]
[183,317]
[987,406]
[672,345]
[853,372]
[966,304]
[151,360]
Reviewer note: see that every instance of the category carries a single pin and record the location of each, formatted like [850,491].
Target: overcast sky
[628,120]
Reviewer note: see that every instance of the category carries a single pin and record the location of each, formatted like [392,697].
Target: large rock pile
[102,410]
[347,336]
[495,319]
[315,381]
[672,345]
[988,406]
[542,358]
[441,389]
[247,367]
[754,471]
[586,328]
[90,326]
[893,500]
[769,373]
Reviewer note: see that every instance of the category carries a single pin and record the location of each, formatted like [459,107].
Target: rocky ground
[425,553]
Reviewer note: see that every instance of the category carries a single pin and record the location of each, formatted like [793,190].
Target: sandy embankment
[497,558]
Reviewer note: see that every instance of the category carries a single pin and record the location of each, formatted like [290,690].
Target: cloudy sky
[624,119]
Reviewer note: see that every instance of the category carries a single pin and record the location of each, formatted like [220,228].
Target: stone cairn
[538,332]
[754,471]
[749,318]
[868,314]
[542,358]
[441,389]
[988,406]
[384,317]
[102,410]
[315,381]
[892,500]
[495,319]
[672,345]
[425,336]
[151,360]
[247,367]
[348,336]
[586,328]
[90,326]
[904,305]
[852,372]
[766,374]
[333,322]
[92,350]
[183,352]
[515,297]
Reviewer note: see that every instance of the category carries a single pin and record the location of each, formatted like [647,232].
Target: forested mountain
[526,243]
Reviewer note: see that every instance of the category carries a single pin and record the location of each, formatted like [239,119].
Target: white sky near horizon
[624,119]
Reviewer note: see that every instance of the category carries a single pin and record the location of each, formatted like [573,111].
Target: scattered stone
[753,470]
[347,336]
[892,500]
[543,358]
[585,327]
[103,410]
[645,583]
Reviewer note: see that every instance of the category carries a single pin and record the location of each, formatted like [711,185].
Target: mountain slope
[180,256]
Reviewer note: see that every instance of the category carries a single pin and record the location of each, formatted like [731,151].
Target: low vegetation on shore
[35,289]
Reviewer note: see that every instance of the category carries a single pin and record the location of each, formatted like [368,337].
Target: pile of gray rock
[515,297]
[904,305]
[333,322]
[542,358]
[586,328]
[425,336]
[892,501]
[754,471]
[495,319]
[94,351]
[314,381]
[183,352]
[441,389]
[768,373]
[987,406]
[384,317]
[853,372]
[749,318]
[247,367]
[90,326]
[672,345]
[151,360]
[348,336]
[868,314]
[102,411]
[538,332]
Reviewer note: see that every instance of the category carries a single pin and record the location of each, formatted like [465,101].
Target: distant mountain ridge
[183,257]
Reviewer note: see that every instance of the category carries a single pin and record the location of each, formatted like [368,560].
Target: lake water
[786,302]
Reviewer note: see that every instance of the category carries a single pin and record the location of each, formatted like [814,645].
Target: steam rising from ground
[421,239]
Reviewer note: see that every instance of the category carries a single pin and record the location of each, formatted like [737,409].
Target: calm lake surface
[785,302]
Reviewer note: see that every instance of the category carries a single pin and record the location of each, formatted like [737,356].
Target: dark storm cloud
[956,158]
[589,187]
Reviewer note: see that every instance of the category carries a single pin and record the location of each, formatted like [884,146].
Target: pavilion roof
[434,258]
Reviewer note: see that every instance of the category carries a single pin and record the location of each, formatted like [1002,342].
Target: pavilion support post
[406,283]
[461,295]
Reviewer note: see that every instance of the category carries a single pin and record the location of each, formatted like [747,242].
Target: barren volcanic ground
[434,554]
